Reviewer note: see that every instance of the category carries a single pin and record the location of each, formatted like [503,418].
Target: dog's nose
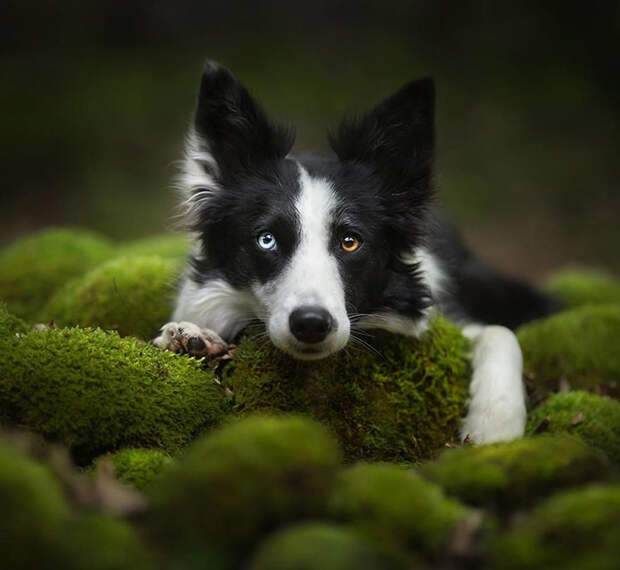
[310,324]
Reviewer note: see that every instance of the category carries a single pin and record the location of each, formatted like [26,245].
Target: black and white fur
[243,191]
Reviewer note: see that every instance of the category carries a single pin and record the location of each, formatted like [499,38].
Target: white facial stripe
[312,276]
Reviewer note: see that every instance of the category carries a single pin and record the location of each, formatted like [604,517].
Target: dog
[319,247]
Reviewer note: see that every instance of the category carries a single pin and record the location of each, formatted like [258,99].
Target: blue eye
[266,241]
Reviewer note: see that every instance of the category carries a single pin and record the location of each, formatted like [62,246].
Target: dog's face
[318,245]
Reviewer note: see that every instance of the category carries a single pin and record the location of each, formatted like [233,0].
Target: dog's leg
[497,396]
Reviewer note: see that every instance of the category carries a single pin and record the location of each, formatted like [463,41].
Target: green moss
[515,474]
[396,506]
[579,530]
[10,324]
[98,542]
[33,511]
[137,467]
[596,419]
[399,403]
[243,480]
[31,269]
[574,288]
[579,346]
[321,546]
[165,245]
[97,392]
[132,295]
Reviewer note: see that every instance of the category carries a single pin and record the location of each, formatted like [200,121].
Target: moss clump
[515,474]
[574,288]
[132,295]
[395,506]
[400,403]
[98,542]
[243,480]
[320,546]
[31,269]
[596,419]
[579,346]
[97,392]
[579,530]
[10,324]
[166,245]
[33,511]
[137,467]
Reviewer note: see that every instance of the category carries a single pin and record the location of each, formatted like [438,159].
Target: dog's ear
[397,137]
[236,132]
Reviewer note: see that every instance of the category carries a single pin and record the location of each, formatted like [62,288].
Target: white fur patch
[311,277]
[197,180]
[215,305]
[497,405]
[432,273]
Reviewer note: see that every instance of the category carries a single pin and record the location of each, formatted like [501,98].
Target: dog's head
[319,245]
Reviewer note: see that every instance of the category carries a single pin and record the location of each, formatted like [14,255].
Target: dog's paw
[188,338]
[503,421]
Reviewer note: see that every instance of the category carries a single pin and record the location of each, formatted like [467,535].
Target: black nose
[310,324]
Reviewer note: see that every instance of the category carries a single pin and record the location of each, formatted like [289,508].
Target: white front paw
[187,338]
[495,422]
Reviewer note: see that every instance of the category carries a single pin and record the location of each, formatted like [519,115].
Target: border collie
[316,247]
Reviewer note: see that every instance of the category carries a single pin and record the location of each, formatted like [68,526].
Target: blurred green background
[96,98]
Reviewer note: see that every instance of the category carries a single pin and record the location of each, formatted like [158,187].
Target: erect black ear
[237,132]
[396,137]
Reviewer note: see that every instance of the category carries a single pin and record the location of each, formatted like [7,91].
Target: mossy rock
[242,481]
[97,392]
[396,506]
[596,419]
[10,324]
[516,474]
[322,546]
[32,268]
[132,295]
[574,288]
[577,530]
[578,346]
[401,402]
[33,511]
[137,467]
[175,246]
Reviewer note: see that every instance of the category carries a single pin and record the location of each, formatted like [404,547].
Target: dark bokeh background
[96,97]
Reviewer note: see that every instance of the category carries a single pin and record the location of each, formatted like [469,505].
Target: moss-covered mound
[579,346]
[320,546]
[10,324]
[96,542]
[400,403]
[132,295]
[244,480]
[39,530]
[394,505]
[31,269]
[33,510]
[596,419]
[574,288]
[97,392]
[516,474]
[137,467]
[165,245]
[579,530]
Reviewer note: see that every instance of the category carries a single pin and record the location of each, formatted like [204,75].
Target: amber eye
[349,243]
